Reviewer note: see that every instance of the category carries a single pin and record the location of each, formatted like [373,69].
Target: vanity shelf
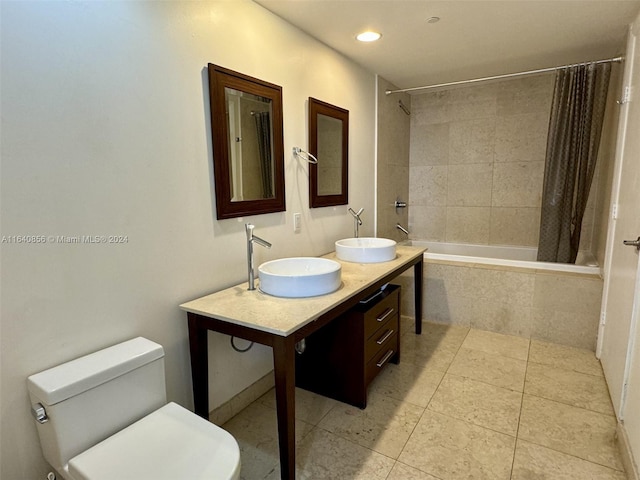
[342,358]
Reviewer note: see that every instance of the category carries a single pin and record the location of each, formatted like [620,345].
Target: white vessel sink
[300,277]
[366,250]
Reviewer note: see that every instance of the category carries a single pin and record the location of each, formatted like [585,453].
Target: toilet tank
[90,398]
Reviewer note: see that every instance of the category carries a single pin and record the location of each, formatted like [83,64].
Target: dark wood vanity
[282,322]
[342,358]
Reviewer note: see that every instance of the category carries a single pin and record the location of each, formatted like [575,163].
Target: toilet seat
[168,444]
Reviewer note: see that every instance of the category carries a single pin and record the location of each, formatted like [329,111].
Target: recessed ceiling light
[433,19]
[368,36]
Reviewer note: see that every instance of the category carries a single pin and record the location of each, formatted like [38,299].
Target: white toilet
[104,416]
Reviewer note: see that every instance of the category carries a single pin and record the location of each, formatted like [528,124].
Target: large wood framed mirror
[329,143]
[248,152]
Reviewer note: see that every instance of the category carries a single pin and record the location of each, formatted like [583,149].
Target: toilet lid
[168,444]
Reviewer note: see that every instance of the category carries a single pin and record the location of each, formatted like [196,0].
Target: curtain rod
[506,75]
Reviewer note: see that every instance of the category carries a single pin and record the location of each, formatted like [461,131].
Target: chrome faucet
[251,238]
[402,229]
[357,221]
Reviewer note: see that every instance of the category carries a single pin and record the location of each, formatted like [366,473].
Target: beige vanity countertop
[283,316]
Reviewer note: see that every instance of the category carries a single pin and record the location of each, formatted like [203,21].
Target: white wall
[105,131]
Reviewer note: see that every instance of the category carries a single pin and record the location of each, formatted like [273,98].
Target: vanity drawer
[382,338]
[380,360]
[382,311]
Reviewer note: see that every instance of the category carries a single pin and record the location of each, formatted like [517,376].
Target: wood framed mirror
[329,143]
[247,136]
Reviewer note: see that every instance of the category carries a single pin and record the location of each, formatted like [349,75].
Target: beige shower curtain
[572,148]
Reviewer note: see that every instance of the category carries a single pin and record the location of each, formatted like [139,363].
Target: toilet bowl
[105,416]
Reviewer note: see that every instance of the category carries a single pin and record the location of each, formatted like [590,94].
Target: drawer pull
[386,313]
[385,358]
[385,337]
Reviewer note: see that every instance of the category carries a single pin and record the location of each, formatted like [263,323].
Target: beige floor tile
[567,386]
[489,368]
[533,462]
[569,358]
[325,456]
[424,351]
[400,471]
[255,429]
[452,449]
[497,344]
[478,403]
[407,382]
[310,407]
[568,429]
[443,334]
[384,426]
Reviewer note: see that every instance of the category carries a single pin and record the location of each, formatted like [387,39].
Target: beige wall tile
[429,108]
[517,184]
[515,226]
[428,185]
[500,286]
[525,95]
[505,318]
[472,141]
[567,294]
[469,103]
[469,185]
[427,223]
[521,137]
[574,329]
[468,224]
[429,144]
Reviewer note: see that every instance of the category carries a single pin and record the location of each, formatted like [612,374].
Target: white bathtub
[520,257]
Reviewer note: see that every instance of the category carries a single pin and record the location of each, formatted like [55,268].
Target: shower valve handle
[633,243]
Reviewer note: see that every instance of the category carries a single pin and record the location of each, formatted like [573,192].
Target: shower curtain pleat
[263,126]
[575,126]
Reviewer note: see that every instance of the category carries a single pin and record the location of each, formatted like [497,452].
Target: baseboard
[236,404]
[629,463]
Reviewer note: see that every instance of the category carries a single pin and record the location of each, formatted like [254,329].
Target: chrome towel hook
[298,152]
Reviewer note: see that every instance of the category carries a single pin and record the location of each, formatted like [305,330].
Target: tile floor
[462,404]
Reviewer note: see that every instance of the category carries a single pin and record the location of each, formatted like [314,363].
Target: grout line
[526,370]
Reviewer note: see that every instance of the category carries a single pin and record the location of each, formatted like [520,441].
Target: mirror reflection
[250,145]
[247,139]
[330,150]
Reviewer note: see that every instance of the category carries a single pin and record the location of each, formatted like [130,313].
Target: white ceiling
[474,38]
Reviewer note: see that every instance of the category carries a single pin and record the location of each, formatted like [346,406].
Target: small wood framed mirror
[329,143]
[248,152]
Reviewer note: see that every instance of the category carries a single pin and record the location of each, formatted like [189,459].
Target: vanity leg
[199,365]
[417,293]
[284,369]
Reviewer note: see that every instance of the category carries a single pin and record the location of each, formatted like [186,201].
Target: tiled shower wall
[476,167]
[477,162]
[393,161]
